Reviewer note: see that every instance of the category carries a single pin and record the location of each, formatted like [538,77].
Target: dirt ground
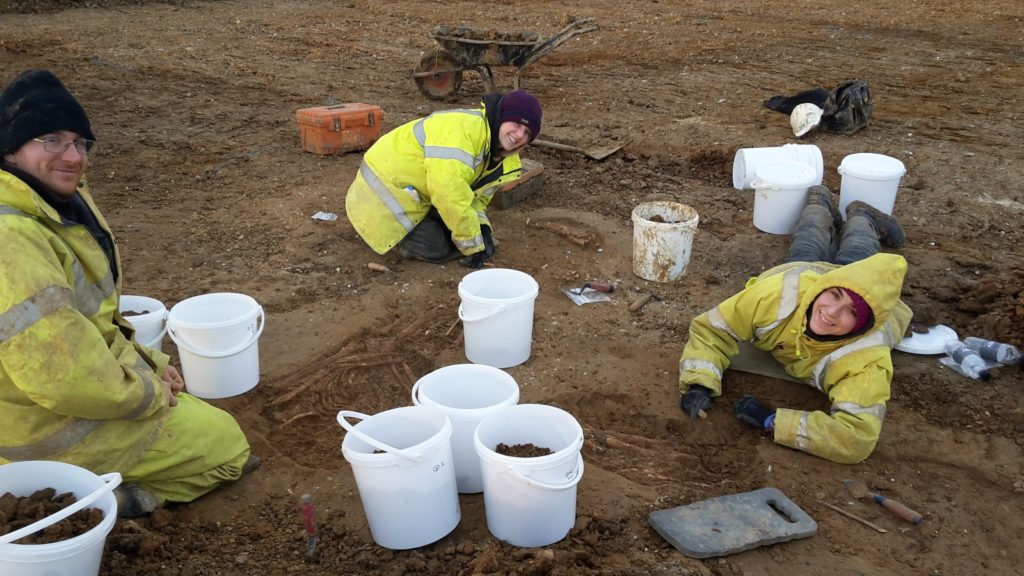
[201,174]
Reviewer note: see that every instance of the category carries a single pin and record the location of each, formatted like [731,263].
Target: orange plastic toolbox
[340,128]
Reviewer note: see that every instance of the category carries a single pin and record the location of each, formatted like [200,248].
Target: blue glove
[750,411]
[697,398]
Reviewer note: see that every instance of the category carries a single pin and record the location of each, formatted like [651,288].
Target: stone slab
[733,523]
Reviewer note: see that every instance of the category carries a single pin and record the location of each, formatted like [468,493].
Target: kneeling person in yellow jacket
[425,186]
[75,384]
[829,316]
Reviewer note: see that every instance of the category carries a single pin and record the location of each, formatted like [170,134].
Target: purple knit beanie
[862,308]
[522,107]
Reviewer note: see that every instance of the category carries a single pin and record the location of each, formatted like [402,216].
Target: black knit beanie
[34,104]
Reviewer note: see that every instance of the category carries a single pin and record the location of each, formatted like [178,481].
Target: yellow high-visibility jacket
[74,385]
[440,161]
[855,371]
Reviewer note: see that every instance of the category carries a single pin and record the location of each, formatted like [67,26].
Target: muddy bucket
[870,178]
[402,463]
[530,501]
[466,393]
[746,161]
[662,240]
[780,193]
[218,342]
[148,316]
[497,316]
[78,556]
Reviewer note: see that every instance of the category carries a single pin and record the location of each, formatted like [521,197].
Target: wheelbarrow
[439,75]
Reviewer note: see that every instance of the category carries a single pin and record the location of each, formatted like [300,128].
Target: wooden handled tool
[860,491]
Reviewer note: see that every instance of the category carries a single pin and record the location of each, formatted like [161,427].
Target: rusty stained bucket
[662,240]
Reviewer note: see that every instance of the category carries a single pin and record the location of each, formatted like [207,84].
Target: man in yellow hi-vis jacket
[425,186]
[75,385]
[829,315]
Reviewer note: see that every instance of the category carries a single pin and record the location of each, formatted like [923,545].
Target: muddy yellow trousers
[199,448]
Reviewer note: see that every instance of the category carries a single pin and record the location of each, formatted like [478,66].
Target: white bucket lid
[785,174]
[872,166]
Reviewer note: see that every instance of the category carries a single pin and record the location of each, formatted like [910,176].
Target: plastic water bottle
[970,363]
[994,351]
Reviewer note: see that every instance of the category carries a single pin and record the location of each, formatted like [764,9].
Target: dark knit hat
[523,107]
[862,309]
[34,104]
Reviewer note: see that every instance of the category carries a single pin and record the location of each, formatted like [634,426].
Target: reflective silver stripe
[24,314]
[876,410]
[146,375]
[817,379]
[466,244]
[385,196]
[695,365]
[420,133]
[803,441]
[789,297]
[718,322]
[7,210]
[891,336]
[89,296]
[487,192]
[73,432]
[451,153]
[482,215]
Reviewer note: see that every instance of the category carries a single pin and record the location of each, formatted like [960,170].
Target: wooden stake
[851,516]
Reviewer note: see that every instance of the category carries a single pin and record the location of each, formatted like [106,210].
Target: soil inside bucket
[127,313]
[18,512]
[522,450]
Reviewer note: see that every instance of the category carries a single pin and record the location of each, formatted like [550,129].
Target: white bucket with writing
[746,161]
[78,556]
[218,342]
[780,194]
[662,240]
[466,393]
[402,463]
[497,316]
[870,178]
[148,316]
[530,501]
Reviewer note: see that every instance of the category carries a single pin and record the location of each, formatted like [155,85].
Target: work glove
[485,231]
[750,411]
[697,398]
[475,261]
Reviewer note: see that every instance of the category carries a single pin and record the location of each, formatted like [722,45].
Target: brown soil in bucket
[18,512]
[522,450]
[127,313]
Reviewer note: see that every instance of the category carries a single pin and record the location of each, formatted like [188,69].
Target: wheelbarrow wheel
[446,83]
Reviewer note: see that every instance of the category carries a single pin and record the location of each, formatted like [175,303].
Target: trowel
[599,153]
[859,490]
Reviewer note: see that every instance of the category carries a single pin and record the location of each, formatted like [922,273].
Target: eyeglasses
[59,145]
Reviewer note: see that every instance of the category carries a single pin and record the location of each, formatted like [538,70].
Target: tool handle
[899,509]
[600,286]
[639,303]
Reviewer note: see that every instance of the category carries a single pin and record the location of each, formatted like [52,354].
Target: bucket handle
[415,393]
[342,419]
[758,184]
[462,314]
[112,481]
[552,487]
[189,348]
[158,338]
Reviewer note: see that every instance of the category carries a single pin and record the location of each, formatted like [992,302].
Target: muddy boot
[822,196]
[890,233]
[134,501]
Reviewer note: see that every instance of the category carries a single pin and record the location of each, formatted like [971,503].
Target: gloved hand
[485,231]
[697,398]
[750,411]
[475,261]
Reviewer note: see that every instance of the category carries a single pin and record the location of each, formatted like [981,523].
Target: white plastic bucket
[151,325]
[466,393]
[497,316]
[408,486]
[780,193]
[78,556]
[870,178]
[746,161]
[530,501]
[217,337]
[662,240]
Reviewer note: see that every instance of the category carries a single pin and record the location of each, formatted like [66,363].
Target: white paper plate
[931,342]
